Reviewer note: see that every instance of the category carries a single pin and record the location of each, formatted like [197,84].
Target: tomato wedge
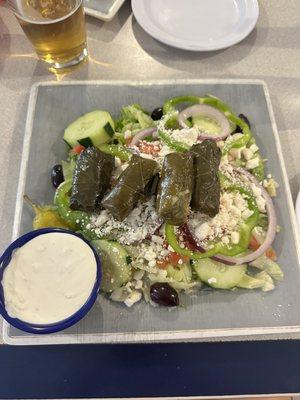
[254,245]
[78,149]
[172,258]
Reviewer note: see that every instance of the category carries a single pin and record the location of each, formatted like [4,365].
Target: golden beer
[56,28]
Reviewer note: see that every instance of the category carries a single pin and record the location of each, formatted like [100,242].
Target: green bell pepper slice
[170,107]
[172,143]
[116,150]
[76,219]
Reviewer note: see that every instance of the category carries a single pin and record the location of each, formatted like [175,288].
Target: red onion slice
[141,135]
[210,112]
[269,239]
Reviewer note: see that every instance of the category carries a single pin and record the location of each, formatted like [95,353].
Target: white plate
[102,9]
[197,25]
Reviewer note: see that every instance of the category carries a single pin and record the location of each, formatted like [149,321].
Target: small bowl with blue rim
[56,326]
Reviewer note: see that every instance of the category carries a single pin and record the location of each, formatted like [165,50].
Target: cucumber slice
[206,124]
[264,263]
[261,280]
[250,282]
[91,129]
[218,275]
[115,269]
[209,125]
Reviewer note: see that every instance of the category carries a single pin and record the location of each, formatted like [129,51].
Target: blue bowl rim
[56,326]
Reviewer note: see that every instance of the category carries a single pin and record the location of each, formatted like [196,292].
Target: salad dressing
[49,278]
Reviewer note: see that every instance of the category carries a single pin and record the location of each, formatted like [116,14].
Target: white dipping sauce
[49,278]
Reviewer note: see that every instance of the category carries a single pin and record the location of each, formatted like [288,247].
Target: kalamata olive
[245,119]
[157,114]
[57,175]
[164,295]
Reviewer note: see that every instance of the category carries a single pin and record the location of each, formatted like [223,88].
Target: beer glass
[56,28]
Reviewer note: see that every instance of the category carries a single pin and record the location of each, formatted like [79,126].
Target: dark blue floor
[207,369]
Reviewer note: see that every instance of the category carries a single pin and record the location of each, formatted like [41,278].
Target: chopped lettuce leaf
[133,118]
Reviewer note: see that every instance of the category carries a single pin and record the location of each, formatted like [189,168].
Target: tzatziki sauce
[49,278]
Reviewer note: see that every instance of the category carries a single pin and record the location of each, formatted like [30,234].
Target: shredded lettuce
[133,118]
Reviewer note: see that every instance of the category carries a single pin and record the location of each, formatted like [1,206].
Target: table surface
[120,50]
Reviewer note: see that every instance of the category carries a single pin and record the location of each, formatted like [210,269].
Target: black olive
[157,114]
[57,175]
[164,295]
[244,118]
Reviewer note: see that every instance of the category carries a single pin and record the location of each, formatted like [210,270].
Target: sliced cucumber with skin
[206,124]
[91,129]
[261,280]
[218,275]
[116,271]
[264,263]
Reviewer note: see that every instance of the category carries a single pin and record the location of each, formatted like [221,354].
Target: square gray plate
[102,9]
[209,314]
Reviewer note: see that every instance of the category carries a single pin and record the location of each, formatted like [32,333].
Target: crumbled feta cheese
[253,163]
[152,263]
[133,298]
[225,239]
[118,162]
[220,144]
[211,280]
[235,237]
[180,261]
[236,212]
[188,136]
[246,213]
[247,153]
[138,275]
[236,153]
[253,148]
[255,189]
[150,255]
[140,223]
[203,230]
[138,284]
[232,205]
[261,204]
[157,239]
[118,294]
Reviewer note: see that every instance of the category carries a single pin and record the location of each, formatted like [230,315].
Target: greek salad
[174,201]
